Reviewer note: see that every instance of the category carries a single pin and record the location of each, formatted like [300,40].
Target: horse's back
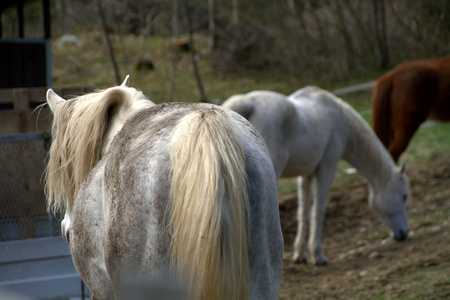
[138,175]
[406,96]
[297,129]
[441,106]
[274,118]
[137,183]
[320,126]
[421,84]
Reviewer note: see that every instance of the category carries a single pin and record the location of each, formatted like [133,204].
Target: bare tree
[380,32]
[291,6]
[343,27]
[174,50]
[108,42]
[211,25]
[235,11]
[193,54]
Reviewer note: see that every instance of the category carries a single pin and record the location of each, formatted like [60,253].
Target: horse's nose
[401,235]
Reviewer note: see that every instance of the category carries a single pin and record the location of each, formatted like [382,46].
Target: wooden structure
[24,139]
[25,62]
[19,4]
[19,112]
[38,269]
[34,264]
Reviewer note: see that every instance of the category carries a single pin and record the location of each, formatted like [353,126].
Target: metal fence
[23,213]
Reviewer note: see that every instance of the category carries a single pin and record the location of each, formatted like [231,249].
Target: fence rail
[34,263]
[23,213]
[354,88]
[40,268]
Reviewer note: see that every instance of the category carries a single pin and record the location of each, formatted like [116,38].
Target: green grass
[89,64]
[428,283]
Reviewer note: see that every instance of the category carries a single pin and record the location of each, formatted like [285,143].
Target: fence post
[21,107]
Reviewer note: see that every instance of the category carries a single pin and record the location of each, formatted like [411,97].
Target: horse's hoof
[321,263]
[319,260]
[298,259]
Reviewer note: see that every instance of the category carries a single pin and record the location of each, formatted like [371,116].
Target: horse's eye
[405,197]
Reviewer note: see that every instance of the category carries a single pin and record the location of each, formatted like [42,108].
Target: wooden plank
[6,95]
[37,269]
[25,271]
[20,100]
[33,249]
[46,287]
[38,94]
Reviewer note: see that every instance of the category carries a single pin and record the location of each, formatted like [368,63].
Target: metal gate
[35,262]
[23,212]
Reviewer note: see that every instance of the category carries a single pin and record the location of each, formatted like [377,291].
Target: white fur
[307,133]
[119,218]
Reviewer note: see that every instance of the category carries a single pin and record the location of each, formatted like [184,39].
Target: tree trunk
[380,32]
[211,24]
[108,42]
[349,49]
[174,57]
[235,11]
[193,55]
[291,6]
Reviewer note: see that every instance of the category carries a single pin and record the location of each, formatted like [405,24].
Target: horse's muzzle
[401,235]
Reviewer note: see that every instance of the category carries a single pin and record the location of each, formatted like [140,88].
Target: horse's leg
[401,139]
[86,238]
[413,102]
[406,126]
[304,198]
[325,177]
[65,226]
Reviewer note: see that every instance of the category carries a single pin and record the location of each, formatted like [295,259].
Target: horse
[307,133]
[177,198]
[406,96]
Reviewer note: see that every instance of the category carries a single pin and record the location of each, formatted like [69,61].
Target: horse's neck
[118,118]
[368,155]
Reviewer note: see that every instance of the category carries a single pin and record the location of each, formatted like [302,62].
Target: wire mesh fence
[23,213]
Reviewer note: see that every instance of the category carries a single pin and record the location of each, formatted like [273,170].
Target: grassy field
[89,64]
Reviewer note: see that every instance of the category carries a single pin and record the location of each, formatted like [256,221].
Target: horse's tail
[210,203]
[381,110]
[241,104]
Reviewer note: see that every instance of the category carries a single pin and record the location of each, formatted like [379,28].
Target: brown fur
[408,95]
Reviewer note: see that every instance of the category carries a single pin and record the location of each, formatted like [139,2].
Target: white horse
[155,195]
[307,134]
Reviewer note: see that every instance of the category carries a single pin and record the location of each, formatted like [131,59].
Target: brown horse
[408,95]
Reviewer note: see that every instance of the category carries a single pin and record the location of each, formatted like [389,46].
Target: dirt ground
[363,262]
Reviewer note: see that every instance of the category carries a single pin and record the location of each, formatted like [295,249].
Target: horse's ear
[54,101]
[126,82]
[403,168]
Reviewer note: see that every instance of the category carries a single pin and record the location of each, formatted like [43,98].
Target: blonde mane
[78,129]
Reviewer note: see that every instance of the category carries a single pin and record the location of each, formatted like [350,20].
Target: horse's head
[390,204]
[82,131]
